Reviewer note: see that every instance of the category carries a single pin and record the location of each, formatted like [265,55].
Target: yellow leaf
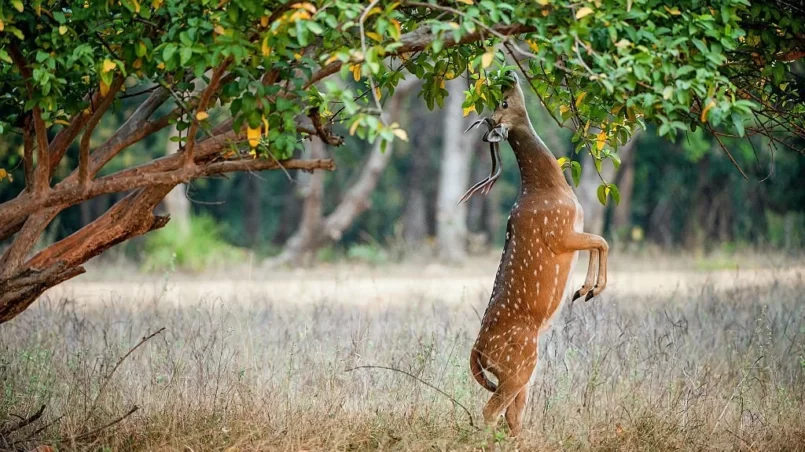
[136,6]
[397,25]
[586,127]
[601,140]
[543,2]
[562,161]
[583,12]
[616,109]
[469,110]
[354,126]
[264,21]
[378,94]
[2,25]
[265,126]
[17,4]
[138,63]
[623,43]
[449,75]
[373,11]
[254,136]
[478,84]
[441,83]
[265,49]
[156,3]
[161,66]
[331,59]
[62,29]
[710,105]
[62,122]
[466,2]
[305,5]
[104,88]
[580,98]
[299,14]
[673,12]
[374,36]
[356,71]
[3,174]
[401,134]
[486,59]
[219,29]
[533,45]
[202,115]
[629,5]
[297,56]
[563,109]
[108,65]
[454,25]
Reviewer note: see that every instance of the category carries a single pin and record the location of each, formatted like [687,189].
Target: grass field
[716,364]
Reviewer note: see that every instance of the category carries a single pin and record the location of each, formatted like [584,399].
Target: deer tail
[478,371]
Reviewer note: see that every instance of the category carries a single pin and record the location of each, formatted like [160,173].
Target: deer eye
[505,104]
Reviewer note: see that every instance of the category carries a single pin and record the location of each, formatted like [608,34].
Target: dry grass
[698,369]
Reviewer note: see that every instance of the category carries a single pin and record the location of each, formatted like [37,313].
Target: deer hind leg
[514,413]
[503,396]
[589,280]
[579,241]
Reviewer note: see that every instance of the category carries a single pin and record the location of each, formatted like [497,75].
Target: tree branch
[42,173]
[203,103]
[419,39]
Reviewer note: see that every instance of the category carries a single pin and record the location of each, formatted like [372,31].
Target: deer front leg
[589,280]
[580,241]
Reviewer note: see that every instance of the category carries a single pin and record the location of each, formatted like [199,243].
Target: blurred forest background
[398,204]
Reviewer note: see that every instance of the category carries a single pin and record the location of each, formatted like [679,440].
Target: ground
[679,353]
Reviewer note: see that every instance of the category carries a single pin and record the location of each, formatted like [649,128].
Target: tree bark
[252,209]
[587,190]
[415,215]
[451,217]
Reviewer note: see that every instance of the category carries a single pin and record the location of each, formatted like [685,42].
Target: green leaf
[602,194]
[738,122]
[616,195]
[186,53]
[169,51]
[575,171]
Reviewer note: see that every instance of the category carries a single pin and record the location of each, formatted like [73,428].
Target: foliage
[201,247]
[606,66]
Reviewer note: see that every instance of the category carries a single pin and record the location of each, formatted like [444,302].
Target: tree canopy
[244,81]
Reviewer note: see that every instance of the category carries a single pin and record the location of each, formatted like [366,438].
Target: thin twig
[451,398]
[24,422]
[363,48]
[99,429]
[111,374]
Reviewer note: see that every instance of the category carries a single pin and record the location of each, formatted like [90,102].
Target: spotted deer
[543,236]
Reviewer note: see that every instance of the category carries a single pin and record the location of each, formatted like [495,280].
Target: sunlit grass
[700,370]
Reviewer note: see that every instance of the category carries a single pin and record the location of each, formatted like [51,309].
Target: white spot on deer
[545,220]
[557,269]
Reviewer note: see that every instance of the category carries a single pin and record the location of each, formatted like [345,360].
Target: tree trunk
[622,217]
[587,190]
[176,203]
[252,209]
[315,231]
[415,215]
[451,217]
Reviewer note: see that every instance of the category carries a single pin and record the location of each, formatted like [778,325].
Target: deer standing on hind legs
[543,236]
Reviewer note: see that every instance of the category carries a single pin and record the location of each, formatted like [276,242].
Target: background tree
[725,66]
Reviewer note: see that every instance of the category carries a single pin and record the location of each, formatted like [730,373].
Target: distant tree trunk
[252,211]
[588,187]
[451,218]
[176,203]
[697,209]
[415,215]
[622,217]
[315,231]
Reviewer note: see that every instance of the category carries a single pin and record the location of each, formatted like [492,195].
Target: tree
[722,65]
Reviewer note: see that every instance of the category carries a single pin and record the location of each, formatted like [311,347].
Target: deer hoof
[589,296]
[576,295]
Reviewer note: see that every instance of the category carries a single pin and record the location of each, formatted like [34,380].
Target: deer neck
[538,167]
